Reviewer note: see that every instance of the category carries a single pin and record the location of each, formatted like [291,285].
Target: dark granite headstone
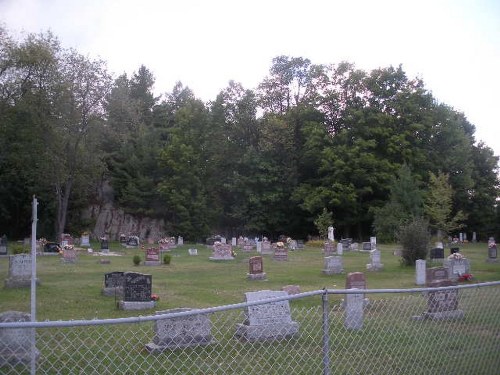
[3,245]
[137,287]
[454,250]
[437,253]
[114,279]
[435,274]
[367,246]
[104,245]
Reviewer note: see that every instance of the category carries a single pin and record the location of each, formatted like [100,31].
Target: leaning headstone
[15,343]
[333,265]
[222,252]
[375,264]
[269,321]
[19,271]
[180,332]
[113,284]
[3,245]
[137,292]
[420,272]
[443,304]
[256,268]
[152,257]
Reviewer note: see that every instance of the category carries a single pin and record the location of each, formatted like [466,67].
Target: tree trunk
[63,192]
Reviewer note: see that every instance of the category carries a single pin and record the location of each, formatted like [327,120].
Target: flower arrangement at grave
[465,277]
[280,245]
[155,297]
[456,256]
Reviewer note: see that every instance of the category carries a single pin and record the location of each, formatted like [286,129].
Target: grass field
[73,291]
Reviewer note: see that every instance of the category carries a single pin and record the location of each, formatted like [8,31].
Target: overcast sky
[453,45]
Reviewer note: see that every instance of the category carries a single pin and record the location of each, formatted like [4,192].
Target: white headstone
[340,249]
[353,318]
[420,271]
[180,241]
[330,234]
[233,241]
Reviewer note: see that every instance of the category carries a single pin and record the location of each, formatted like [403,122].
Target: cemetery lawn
[73,291]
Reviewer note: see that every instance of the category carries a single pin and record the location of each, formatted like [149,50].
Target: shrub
[136,260]
[414,238]
[167,258]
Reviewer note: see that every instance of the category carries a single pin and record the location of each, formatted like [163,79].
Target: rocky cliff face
[114,221]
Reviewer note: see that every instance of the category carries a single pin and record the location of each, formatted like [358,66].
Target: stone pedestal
[140,305]
[15,343]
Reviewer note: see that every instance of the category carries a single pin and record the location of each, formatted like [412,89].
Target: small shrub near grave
[167,258]
[136,260]
[414,238]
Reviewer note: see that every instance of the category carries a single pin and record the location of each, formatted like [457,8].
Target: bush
[137,260]
[414,238]
[167,258]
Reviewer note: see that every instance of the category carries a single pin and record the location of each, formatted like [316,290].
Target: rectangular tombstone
[15,343]
[85,240]
[247,247]
[492,252]
[300,244]
[137,287]
[152,257]
[180,332]
[3,245]
[270,321]
[437,254]
[333,265]
[420,272]
[355,280]
[256,268]
[233,241]
[375,258]
[435,274]
[113,283]
[457,267]
[266,247]
[180,241]
[222,252]
[328,248]
[69,255]
[280,254]
[353,314]
[19,271]
[443,304]
[366,246]
[340,249]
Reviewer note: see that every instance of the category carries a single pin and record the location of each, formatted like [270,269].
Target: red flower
[465,277]
[155,297]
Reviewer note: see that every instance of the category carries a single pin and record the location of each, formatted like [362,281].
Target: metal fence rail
[395,337]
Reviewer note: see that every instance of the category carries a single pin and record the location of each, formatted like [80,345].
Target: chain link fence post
[326,334]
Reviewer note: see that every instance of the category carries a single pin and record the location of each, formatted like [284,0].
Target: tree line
[364,150]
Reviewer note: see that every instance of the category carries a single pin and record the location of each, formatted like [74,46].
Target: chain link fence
[393,334]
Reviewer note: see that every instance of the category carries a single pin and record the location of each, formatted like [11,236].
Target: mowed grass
[73,291]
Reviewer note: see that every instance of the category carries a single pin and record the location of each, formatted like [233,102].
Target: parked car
[52,247]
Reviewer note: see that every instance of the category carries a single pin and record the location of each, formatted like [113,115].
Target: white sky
[454,45]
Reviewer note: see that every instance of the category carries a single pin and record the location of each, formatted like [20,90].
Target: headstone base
[152,263]
[443,315]
[332,272]
[256,276]
[372,267]
[266,332]
[221,258]
[16,282]
[155,348]
[492,260]
[131,305]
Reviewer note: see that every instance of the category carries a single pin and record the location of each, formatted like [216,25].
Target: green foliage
[323,221]
[167,258]
[414,238]
[137,260]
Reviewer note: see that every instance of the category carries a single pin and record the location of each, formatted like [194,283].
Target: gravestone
[222,252]
[454,250]
[333,265]
[346,244]
[152,257]
[291,289]
[233,241]
[356,280]
[353,312]
[69,255]
[266,247]
[181,331]
[435,274]
[420,272]
[132,241]
[85,240]
[457,267]
[300,244]
[269,321]
[292,245]
[137,292]
[15,343]
[492,254]
[193,252]
[180,241]
[374,264]
[340,249]
[443,304]
[331,236]
[3,245]
[256,268]
[104,245]
[328,248]
[258,244]
[437,254]
[19,271]
[366,246]
[247,246]
[280,254]
[113,284]
[123,239]
[373,241]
